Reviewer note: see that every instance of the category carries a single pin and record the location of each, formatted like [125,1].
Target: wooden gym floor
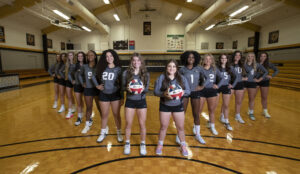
[36,138]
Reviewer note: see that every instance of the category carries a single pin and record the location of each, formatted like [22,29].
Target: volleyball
[175,91]
[136,86]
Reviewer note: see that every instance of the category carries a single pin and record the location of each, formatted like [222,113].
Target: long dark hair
[102,65]
[59,58]
[184,58]
[95,54]
[227,67]
[142,71]
[78,62]
[166,81]
[240,63]
[266,62]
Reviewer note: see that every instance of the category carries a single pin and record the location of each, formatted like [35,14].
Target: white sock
[265,110]
[212,125]
[226,120]
[70,110]
[62,106]
[161,142]
[238,115]
[197,127]
[87,122]
[103,131]
[127,141]
[251,111]
[80,115]
[182,143]
[222,115]
[55,102]
[143,142]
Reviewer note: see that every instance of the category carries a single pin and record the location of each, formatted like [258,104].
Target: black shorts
[69,84]
[55,80]
[239,86]
[264,83]
[194,95]
[78,88]
[90,92]
[209,92]
[62,82]
[165,108]
[250,84]
[109,97]
[138,104]
[224,89]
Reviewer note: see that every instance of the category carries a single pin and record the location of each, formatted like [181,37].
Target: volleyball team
[201,79]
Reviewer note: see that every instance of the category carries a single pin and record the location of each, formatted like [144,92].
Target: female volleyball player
[251,69]
[110,78]
[54,68]
[265,83]
[62,81]
[192,72]
[78,89]
[135,100]
[88,80]
[170,106]
[70,66]
[210,91]
[225,89]
[238,84]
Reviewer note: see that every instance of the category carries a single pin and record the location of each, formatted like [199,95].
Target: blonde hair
[213,63]
[142,72]
[68,64]
[253,64]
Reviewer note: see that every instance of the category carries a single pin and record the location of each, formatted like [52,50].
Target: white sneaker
[194,130]
[119,136]
[62,109]
[228,127]
[222,119]
[78,121]
[69,115]
[127,149]
[54,105]
[266,114]
[85,129]
[102,136]
[177,139]
[143,150]
[91,122]
[200,139]
[213,131]
[239,119]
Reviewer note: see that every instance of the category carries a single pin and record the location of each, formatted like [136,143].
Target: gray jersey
[61,71]
[252,74]
[132,96]
[56,68]
[88,76]
[225,76]
[163,99]
[273,67]
[192,76]
[237,71]
[51,70]
[210,77]
[71,72]
[74,75]
[111,79]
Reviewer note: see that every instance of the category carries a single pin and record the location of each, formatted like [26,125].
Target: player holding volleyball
[135,81]
[167,87]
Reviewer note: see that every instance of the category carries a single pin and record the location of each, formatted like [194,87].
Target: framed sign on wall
[30,39]
[2,34]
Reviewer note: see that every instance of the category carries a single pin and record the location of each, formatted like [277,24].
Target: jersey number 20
[108,76]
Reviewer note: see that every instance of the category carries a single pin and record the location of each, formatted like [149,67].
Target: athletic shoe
[69,115]
[159,149]
[200,139]
[85,129]
[228,127]
[102,135]
[78,121]
[252,117]
[266,114]
[177,139]
[183,150]
[119,136]
[222,119]
[213,131]
[239,119]
[143,150]
[62,109]
[54,105]
[127,149]
[91,122]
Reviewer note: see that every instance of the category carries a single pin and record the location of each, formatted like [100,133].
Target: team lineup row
[199,80]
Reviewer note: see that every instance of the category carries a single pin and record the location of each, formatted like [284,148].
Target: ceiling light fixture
[239,11]
[61,14]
